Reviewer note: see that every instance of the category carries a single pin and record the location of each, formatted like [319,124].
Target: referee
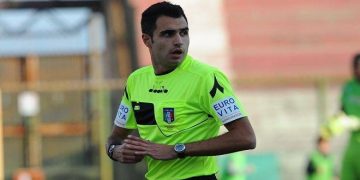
[178,105]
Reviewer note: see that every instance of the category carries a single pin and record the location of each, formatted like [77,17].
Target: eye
[184,32]
[168,33]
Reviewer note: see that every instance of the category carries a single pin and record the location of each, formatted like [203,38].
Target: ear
[147,40]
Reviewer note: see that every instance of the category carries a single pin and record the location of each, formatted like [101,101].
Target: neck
[163,71]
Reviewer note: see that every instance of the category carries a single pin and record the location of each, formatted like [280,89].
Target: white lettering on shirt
[227,109]
[122,115]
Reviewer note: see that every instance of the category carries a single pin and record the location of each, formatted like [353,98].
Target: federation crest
[168,114]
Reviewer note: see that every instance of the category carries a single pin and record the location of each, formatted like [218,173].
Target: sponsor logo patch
[168,115]
[227,109]
[122,114]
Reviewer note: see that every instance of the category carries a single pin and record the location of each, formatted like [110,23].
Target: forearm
[240,137]
[118,150]
[237,139]
[117,136]
[115,140]
[222,144]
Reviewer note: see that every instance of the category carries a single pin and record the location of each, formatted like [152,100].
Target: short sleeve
[219,99]
[125,115]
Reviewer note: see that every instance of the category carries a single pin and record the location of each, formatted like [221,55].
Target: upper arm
[242,131]
[242,126]
[219,99]
[125,116]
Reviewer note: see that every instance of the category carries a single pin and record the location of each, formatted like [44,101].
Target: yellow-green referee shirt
[186,105]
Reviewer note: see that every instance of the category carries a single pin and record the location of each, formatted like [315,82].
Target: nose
[178,41]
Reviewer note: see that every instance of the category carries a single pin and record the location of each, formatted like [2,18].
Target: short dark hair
[152,13]
[356,61]
[321,139]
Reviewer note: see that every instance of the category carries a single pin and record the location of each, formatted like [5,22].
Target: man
[177,105]
[321,166]
[350,102]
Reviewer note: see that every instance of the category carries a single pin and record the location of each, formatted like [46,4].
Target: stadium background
[286,59]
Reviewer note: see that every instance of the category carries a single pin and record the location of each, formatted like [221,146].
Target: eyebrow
[173,30]
[184,29]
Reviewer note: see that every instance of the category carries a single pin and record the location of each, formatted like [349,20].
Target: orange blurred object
[29,174]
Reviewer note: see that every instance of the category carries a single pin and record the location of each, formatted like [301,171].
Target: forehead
[166,23]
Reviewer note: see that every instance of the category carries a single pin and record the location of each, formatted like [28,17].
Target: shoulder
[136,75]
[350,85]
[201,69]
[141,72]
[314,154]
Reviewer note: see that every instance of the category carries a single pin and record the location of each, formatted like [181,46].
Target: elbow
[251,143]
[248,143]
[251,140]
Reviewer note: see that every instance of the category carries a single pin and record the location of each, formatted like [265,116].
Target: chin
[177,59]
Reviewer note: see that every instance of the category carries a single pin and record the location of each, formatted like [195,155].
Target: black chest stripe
[216,87]
[144,113]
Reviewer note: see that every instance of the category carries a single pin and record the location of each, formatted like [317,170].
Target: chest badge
[169,115]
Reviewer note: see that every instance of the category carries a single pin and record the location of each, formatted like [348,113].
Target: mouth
[177,51]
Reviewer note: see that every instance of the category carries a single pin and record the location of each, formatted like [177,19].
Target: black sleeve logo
[126,93]
[216,86]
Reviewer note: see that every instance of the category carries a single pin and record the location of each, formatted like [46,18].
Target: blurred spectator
[320,166]
[350,103]
[233,166]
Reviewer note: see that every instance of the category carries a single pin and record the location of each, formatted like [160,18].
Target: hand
[156,151]
[126,155]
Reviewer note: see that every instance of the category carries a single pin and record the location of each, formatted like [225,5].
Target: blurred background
[63,64]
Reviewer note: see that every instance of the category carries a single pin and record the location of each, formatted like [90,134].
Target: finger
[136,142]
[131,158]
[128,149]
[135,138]
[135,147]
[128,161]
[129,152]
[139,158]
[142,153]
